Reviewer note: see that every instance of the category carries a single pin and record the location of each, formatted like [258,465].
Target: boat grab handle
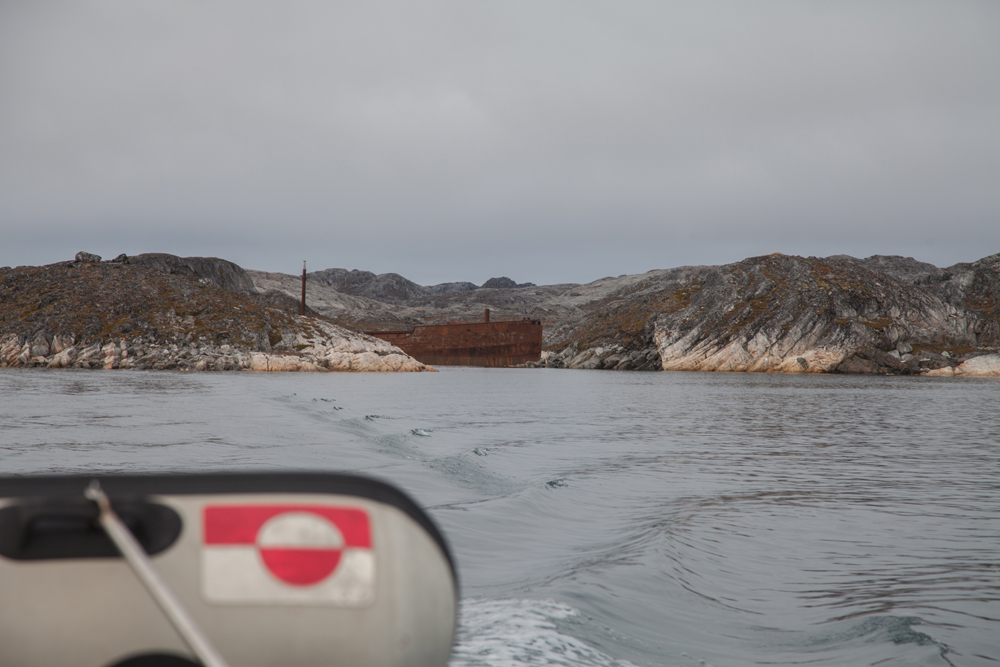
[148,575]
[46,528]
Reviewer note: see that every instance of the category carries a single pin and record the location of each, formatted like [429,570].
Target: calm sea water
[603,518]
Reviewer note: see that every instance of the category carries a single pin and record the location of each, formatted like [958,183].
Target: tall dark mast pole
[303,287]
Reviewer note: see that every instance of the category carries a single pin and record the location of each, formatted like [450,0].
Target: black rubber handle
[39,529]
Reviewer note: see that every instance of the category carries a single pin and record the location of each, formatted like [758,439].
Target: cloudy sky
[547,141]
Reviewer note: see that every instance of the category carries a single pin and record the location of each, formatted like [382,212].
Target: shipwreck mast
[303,309]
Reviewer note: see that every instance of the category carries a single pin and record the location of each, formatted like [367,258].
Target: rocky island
[159,311]
[774,313]
[780,313]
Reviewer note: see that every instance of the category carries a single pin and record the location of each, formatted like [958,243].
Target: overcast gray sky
[547,141]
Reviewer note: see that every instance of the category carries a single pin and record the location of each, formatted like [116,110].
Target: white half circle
[302,530]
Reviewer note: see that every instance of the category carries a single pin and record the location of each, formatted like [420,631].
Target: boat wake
[513,633]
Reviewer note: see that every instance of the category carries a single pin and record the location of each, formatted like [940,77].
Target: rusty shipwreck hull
[496,344]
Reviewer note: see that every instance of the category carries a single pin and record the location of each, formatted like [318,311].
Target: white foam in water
[514,633]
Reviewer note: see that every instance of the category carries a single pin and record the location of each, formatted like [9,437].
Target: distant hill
[395,288]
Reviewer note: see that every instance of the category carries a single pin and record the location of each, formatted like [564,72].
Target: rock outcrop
[395,289]
[330,302]
[503,282]
[87,257]
[207,270]
[139,314]
[986,365]
[385,287]
[450,288]
[791,314]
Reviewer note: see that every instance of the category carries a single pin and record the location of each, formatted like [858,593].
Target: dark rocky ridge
[394,288]
[207,270]
[504,283]
[450,288]
[95,301]
[385,287]
[905,268]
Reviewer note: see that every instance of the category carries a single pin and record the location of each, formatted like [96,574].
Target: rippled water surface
[603,518]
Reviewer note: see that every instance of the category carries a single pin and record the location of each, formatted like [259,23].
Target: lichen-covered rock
[779,313]
[62,359]
[120,315]
[987,365]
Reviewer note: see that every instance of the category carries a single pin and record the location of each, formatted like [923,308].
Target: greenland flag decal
[288,554]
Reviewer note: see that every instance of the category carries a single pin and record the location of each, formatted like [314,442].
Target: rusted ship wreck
[486,343]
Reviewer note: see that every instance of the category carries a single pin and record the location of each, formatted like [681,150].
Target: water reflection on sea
[604,518]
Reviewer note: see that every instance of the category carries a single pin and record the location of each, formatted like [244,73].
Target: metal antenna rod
[137,558]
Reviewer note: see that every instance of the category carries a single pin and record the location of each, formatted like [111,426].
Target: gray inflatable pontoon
[240,570]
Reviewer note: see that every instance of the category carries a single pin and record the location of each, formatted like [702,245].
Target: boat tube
[243,570]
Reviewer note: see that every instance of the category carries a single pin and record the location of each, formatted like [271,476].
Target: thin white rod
[137,558]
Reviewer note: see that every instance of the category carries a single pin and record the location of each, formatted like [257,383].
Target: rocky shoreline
[126,314]
[328,351]
[774,313]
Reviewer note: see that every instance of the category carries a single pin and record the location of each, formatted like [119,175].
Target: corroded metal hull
[496,344]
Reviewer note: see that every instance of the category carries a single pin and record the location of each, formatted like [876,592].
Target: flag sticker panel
[288,554]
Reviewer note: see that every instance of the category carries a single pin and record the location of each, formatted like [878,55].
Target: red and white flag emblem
[288,554]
